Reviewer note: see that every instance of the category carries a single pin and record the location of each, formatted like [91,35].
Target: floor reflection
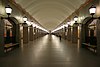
[41,46]
[49,51]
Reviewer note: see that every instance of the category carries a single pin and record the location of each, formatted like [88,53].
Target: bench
[90,47]
[10,46]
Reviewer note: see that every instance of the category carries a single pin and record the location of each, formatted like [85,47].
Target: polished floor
[50,51]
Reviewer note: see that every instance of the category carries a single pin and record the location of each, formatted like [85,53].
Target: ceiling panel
[50,13]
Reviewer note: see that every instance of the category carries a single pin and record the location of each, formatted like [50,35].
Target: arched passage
[10,36]
[88,33]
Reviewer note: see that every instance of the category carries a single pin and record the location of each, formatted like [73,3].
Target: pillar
[82,34]
[39,33]
[69,33]
[75,33]
[25,33]
[1,38]
[34,33]
[31,33]
[98,36]
[61,31]
[65,32]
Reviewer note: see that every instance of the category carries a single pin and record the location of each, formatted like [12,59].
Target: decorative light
[75,18]
[92,10]
[25,18]
[68,23]
[33,24]
[8,10]
[29,23]
[72,22]
[63,26]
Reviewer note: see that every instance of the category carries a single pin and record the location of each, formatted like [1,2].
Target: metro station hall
[49,33]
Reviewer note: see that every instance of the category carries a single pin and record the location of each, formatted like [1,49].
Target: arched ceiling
[50,13]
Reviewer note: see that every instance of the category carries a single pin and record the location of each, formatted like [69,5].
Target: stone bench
[10,46]
[90,47]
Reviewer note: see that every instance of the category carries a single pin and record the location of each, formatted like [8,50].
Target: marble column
[34,33]
[82,34]
[75,33]
[98,36]
[65,28]
[69,33]
[1,38]
[31,33]
[61,32]
[37,33]
[25,33]
[40,33]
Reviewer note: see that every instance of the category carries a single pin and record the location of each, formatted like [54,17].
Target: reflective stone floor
[49,51]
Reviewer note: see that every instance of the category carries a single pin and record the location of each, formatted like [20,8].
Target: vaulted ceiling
[50,13]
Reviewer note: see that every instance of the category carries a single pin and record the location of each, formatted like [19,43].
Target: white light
[72,22]
[62,26]
[68,23]
[75,18]
[25,18]
[37,26]
[29,23]
[8,9]
[58,28]
[92,10]
[33,24]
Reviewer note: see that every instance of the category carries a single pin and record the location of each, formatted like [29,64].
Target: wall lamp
[8,10]
[75,19]
[31,23]
[92,10]
[68,22]
[25,18]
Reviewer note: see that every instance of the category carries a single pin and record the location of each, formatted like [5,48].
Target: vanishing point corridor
[49,51]
[49,33]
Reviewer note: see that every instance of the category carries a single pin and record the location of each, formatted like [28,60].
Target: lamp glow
[25,18]
[75,18]
[8,10]
[68,23]
[92,10]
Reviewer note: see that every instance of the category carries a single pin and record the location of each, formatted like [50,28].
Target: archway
[11,33]
[88,33]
